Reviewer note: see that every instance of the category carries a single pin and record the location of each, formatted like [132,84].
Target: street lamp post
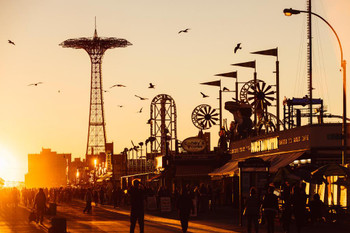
[289,12]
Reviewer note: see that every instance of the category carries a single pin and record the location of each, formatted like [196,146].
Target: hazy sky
[33,117]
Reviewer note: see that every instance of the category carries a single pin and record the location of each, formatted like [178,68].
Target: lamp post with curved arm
[289,12]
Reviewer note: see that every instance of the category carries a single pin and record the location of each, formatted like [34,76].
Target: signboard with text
[194,144]
[165,204]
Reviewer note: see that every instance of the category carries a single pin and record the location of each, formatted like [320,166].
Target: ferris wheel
[204,116]
[257,94]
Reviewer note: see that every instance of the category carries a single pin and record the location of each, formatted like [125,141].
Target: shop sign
[264,145]
[151,203]
[109,161]
[165,204]
[194,144]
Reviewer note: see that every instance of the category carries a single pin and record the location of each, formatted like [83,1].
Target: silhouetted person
[287,208]
[137,206]
[88,200]
[222,139]
[95,196]
[299,206]
[115,197]
[317,209]
[184,205]
[252,210]
[270,208]
[102,196]
[40,204]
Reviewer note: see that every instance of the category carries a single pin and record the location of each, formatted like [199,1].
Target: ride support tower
[96,47]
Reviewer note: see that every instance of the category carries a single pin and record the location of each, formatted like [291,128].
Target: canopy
[285,174]
[332,169]
[230,168]
[282,160]
[277,161]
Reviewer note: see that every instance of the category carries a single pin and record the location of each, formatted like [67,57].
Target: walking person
[286,207]
[184,205]
[95,196]
[114,197]
[88,200]
[252,211]
[299,206]
[137,197]
[270,208]
[40,205]
[102,195]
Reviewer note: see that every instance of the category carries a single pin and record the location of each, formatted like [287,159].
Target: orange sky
[36,117]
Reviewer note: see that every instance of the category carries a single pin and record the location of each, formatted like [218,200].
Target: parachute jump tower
[96,47]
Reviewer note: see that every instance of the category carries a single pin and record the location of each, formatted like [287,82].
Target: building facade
[47,169]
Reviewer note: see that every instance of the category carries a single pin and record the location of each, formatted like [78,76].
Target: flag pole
[278,91]
[220,104]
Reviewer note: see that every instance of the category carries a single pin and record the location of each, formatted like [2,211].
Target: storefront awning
[277,160]
[281,160]
[229,169]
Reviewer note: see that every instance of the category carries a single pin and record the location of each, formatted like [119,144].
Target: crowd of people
[182,199]
[292,203]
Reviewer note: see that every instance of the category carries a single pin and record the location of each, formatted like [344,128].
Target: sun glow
[8,165]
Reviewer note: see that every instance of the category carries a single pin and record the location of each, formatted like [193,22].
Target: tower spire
[95,34]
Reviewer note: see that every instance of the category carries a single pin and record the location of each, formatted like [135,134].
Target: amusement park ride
[254,99]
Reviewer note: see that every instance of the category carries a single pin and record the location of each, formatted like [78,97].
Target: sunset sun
[7,164]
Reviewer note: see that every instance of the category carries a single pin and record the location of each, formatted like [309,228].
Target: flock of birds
[238,46]
[151,85]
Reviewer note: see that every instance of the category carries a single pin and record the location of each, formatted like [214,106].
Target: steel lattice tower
[163,123]
[96,47]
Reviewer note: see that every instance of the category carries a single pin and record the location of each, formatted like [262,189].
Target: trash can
[52,209]
[58,225]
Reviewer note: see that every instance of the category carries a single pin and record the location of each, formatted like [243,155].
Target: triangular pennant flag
[270,52]
[230,74]
[250,64]
[213,83]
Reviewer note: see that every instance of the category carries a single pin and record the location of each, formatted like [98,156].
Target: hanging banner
[109,161]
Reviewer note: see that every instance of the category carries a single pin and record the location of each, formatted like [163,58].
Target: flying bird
[141,98]
[238,46]
[140,111]
[35,84]
[184,31]
[204,95]
[11,42]
[151,85]
[225,89]
[117,85]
